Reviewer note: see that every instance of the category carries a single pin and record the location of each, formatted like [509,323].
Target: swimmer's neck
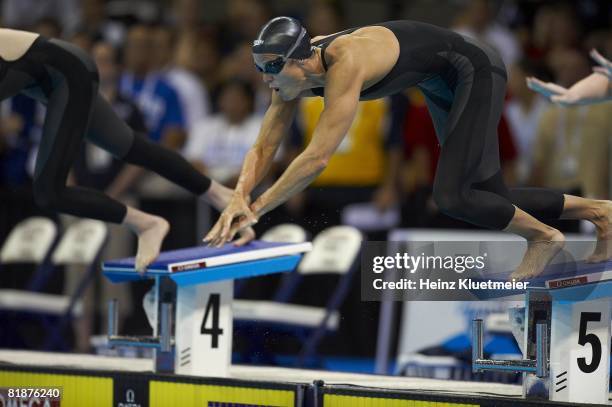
[314,71]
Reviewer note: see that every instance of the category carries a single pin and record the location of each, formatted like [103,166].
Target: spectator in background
[578,137]
[244,20]
[83,40]
[48,27]
[97,25]
[555,27]
[155,98]
[477,20]
[324,17]
[187,17]
[24,14]
[524,111]
[218,144]
[195,50]
[200,55]
[239,64]
[192,95]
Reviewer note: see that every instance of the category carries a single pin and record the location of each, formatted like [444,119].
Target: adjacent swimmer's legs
[109,132]
[151,231]
[75,109]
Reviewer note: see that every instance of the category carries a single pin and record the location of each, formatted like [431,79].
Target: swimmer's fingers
[241,224]
[224,235]
[233,230]
[215,236]
[565,100]
[602,61]
[603,71]
[546,89]
[553,87]
[246,235]
[213,233]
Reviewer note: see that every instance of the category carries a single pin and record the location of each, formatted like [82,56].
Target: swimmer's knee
[142,150]
[451,202]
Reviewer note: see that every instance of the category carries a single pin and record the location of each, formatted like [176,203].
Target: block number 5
[592,339]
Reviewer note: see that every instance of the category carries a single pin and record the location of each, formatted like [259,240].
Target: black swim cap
[283,36]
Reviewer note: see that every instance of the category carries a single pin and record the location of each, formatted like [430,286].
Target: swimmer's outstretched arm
[595,88]
[343,85]
[258,160]
[256,165]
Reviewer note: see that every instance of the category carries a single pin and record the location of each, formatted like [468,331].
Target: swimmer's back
[425,51]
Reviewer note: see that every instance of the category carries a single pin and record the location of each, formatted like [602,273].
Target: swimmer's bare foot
[151,231]
[541,249]
[603,223]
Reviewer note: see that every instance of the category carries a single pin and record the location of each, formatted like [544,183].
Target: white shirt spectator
[193,96]
[221,146]
[524,127]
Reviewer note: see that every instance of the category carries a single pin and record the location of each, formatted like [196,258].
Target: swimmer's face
[287,81]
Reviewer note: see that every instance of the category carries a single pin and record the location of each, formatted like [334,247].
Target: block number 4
[212,312]
[592,339]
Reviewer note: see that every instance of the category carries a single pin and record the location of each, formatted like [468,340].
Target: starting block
[194,294]
[564,334]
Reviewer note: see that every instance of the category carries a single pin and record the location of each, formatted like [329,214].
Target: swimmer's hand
[246,235]
[595,88]
[605,66]
[235,218]
[558,94]
[551,91]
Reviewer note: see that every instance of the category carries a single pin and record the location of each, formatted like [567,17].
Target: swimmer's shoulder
[361,39]
[15,43]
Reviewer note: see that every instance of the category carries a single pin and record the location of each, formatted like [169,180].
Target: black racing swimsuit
[464,84]
[65,79]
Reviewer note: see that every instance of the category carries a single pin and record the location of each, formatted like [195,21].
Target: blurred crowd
[190,83]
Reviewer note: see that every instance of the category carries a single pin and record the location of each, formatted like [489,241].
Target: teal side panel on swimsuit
[439,99]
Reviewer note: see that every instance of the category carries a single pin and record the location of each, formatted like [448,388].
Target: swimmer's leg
[552,205]
[598,212]
[69,105]
[110,133]
[468,183]
[65,125]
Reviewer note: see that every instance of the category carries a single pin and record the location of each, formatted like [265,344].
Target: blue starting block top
[203,264]
[566,281]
